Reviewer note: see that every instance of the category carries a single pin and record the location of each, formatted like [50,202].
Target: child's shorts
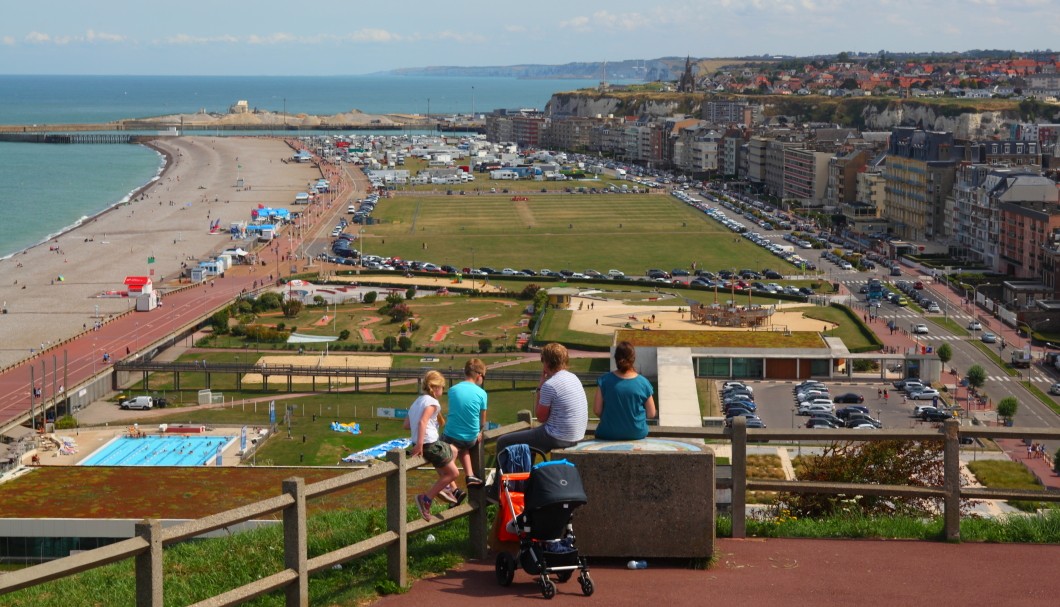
[438,453]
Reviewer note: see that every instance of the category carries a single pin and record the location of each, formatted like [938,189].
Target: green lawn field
[629,232]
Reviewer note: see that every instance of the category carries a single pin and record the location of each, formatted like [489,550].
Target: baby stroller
[540,518]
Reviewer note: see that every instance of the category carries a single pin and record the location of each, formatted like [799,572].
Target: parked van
[138,402]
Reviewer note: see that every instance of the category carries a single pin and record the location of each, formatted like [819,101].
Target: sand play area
[352,361]
[598,312]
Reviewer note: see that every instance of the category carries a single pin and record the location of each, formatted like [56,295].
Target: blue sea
[45,188]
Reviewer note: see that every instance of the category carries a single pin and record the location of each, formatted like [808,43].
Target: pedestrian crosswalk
[1039,379]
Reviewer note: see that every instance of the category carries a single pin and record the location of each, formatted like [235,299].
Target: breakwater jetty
[73,138]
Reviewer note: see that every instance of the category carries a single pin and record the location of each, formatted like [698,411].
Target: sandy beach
[50,291]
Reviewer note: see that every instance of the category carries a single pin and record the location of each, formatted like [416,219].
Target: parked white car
[816,407]
[924,394]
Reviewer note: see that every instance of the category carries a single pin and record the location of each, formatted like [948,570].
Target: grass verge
[998,474]
[1032,529]
[199,569]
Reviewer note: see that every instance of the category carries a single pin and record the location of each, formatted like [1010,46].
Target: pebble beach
[52,291]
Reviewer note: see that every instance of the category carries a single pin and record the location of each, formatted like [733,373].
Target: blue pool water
[159,451]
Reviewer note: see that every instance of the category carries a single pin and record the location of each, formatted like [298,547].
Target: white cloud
[94,36]
[374,35]
[277,38]
[185,39]
[578,23]
[90,37]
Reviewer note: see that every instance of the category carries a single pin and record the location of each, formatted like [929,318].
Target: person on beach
[562,408]
[424,420]
[467,416]
[625,399]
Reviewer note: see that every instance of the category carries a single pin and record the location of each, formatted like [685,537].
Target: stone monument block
[648,498]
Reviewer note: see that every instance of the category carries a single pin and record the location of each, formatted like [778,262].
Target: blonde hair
[432,379]
[555,356]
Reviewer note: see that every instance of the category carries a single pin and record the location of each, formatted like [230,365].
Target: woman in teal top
[624,399]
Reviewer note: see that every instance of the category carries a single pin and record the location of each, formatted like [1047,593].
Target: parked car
[817,422]
[812,408]
[849,397]
[846,412]
[935,415]
[856,420]
[924,394]
[830,417]
[911,387]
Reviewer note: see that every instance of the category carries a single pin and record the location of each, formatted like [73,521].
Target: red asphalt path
[783,573]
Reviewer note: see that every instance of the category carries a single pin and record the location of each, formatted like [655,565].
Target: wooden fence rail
[151,539]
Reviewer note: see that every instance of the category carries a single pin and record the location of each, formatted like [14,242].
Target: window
[713,367]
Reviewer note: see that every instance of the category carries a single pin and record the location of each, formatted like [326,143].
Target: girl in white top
[423,420]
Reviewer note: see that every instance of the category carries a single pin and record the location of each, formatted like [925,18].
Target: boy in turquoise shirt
[467,416]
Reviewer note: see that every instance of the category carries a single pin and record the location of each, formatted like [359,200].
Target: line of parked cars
[738,400]
[914,389]
[813,399]
[914,290]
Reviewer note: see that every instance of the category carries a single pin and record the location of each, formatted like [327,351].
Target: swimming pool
[159,451]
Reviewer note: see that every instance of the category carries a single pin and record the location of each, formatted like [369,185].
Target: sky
[349,37]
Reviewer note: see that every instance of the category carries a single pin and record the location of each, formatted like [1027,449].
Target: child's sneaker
[447,495]
[474,481]
[424,504]
[460,496]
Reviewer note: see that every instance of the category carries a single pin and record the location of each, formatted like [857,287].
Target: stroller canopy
[553,483]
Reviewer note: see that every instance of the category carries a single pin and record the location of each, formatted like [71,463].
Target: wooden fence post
[739,476]
[396,519]
[952,480]
[149,564]
[478,521]
[295,543]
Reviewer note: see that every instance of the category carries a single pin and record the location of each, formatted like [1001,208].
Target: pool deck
[89,441]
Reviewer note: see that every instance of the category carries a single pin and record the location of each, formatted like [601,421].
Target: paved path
[785,573]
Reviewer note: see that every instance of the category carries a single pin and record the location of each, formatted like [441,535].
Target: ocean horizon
[46,189]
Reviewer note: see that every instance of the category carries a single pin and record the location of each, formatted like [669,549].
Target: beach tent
[138,285]
[378,451]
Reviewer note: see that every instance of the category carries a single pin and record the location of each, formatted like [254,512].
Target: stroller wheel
[587,584]
[505,569]
[564,576]
[548,589]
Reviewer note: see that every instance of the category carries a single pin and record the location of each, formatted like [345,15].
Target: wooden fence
[147,548]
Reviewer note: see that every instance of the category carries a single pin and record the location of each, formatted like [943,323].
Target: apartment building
[843,170]
[776,150]
[696,149]
[919,174]
[756,162]
[1030,219]
[806,175]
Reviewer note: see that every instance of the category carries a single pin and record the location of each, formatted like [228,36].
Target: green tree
[945,353]
[484,345]
[404,343]
[1006,407]
[219,322]
[389,343]
[344,334]
[976,376]
[369,297]
[291,308]
[398,313]
[318,300]
[410,292]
